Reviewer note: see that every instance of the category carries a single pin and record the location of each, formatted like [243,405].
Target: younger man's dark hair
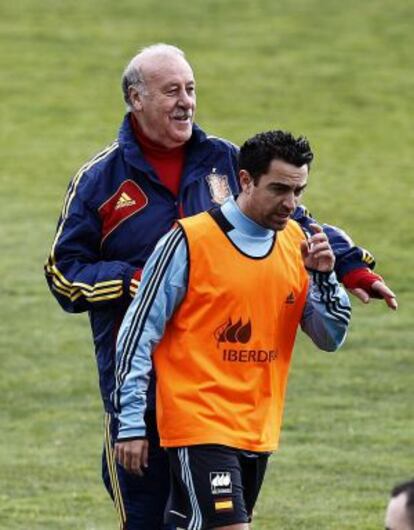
[257,153]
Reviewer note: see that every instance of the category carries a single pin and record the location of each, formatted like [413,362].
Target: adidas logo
[124,200]
[290,299]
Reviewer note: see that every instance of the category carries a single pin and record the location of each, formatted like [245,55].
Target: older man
[118,205]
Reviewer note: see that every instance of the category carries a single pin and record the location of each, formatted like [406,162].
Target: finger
[116,452]
[322,246]
[320,236]
[304,248]
[381,289]
[361,294]
[120,455]
[127,460]
[323,255]
[315,228]
[317,238]
[391,302]
[136,463]
[144,457]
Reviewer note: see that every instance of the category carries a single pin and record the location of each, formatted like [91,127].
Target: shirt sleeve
[327,311]
[163,286]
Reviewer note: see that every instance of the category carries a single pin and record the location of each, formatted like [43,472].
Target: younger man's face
[275,197]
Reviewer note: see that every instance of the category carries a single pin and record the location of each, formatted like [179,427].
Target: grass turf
[339,72]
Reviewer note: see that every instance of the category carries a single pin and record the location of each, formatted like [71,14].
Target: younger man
[221,299]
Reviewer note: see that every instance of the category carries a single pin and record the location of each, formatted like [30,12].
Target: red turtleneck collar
[167,163]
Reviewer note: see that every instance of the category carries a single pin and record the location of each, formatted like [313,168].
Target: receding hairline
[162,51]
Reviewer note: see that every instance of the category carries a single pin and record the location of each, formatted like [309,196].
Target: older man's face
[397,517]
[166,110]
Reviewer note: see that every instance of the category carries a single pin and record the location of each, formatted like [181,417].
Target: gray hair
[133,75]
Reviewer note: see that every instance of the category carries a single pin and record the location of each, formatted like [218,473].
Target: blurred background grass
[340,72]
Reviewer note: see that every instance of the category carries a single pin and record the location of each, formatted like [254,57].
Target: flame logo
[229,332]
[221,480]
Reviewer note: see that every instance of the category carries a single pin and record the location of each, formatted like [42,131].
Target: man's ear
[135,98]
[246,181]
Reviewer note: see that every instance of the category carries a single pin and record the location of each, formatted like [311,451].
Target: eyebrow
[174,84]
[280,185]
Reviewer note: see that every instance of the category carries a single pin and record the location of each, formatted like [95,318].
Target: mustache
[183,114]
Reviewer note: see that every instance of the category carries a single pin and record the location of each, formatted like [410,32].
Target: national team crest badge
[219,187]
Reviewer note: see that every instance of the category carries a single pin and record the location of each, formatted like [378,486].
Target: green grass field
[340,72]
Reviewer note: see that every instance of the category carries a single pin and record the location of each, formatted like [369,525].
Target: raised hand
[316,251]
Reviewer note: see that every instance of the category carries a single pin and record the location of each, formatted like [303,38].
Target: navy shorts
[213,485]
[139,501]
